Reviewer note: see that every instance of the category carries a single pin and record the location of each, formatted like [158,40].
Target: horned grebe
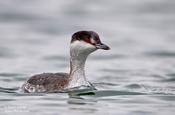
[82,44]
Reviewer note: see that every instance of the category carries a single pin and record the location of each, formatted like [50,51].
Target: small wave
[82,90]
[10,74]
[160,54]
[170,78]
[135,86]
[105,93]
[156,90]
[9,90]
[55,58]
[107,57]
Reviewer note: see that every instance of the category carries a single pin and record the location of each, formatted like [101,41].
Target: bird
[82,44]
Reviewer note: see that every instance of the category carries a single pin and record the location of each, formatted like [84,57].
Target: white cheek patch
[81,44]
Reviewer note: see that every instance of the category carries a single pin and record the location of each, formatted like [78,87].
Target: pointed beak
[102,46]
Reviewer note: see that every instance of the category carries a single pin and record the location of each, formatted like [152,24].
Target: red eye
[87,40]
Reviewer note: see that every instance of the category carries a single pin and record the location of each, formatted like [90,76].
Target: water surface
[136,77]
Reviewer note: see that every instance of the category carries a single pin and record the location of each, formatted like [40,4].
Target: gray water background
[136,77]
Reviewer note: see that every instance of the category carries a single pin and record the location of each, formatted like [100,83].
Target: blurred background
[35,37]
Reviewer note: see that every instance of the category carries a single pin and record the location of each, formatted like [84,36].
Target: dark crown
[82,35]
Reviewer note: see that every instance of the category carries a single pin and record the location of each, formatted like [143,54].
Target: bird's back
[46,82]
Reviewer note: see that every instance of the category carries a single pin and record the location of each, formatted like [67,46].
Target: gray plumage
[46,82]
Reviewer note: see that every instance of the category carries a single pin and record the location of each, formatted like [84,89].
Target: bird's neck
[77,71]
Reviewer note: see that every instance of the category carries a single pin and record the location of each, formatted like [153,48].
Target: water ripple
[161,54]
[8,90]
[55,58]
